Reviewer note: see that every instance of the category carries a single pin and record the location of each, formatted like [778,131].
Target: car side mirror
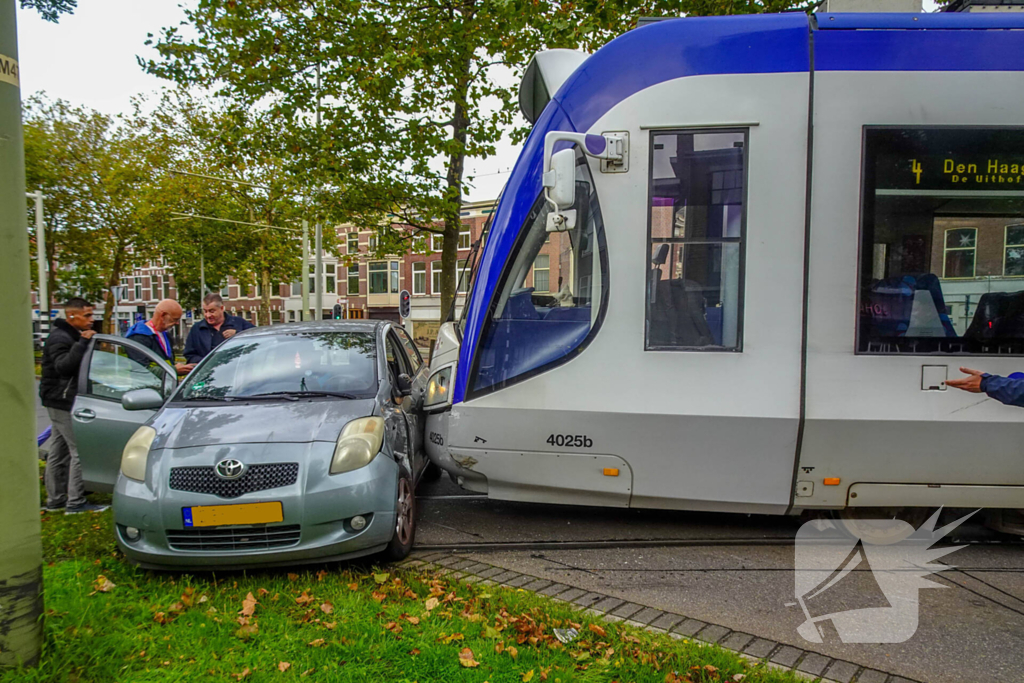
[403,385]
[142,399]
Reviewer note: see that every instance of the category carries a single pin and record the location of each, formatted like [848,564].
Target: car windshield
[341,364]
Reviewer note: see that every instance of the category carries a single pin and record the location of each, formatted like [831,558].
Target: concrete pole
[304,277]
[319,275]
[21,573]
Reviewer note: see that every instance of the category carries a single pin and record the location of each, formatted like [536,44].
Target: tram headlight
[358,445]
[439,388]
[136,453]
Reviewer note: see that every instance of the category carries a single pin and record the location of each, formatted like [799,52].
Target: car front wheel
[405,520]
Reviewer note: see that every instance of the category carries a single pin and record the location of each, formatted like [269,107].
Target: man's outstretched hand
[971,383]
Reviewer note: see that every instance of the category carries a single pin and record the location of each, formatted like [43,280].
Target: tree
[51,9]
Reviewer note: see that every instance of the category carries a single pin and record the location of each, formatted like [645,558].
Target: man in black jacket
[58,386]
[213,329]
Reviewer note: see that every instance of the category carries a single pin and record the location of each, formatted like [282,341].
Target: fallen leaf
[512,651]
[432,603]
[379,597]
[450,639]
[528,676]
[245,673]
[466,659]
[499,648]
[161,618]
[630,639]
[262,591]
[319,642]
[283,666]
[248,605]
[320,575]
[186,597]
[203,599]
[304,599]
[177,607]
[103,584]
[306,672]
[710,669]
[409,594]
[353,586]
[598,630]
[381,578]
[329,625]
[293,577]
[247,631]
[414,651]
[393,627]
[491,632]
[739,677]
[327,608]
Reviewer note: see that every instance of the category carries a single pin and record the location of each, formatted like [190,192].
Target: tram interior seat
[999,315]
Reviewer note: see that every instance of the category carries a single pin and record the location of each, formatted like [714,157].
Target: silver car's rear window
[334,362]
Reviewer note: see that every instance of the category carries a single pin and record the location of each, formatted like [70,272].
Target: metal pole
[44,298]
[319,275]
[202,275]
[304,277]
[21,577]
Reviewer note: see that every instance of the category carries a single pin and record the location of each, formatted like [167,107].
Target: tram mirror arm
[560,172]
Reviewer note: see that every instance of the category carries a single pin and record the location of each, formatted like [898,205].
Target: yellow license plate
[222,515]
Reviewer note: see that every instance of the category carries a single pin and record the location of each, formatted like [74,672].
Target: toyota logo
[229,469]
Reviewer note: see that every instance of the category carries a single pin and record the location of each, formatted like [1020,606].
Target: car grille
[233,538]
[256,478]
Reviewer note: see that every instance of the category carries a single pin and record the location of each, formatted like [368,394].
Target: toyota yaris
[287,444]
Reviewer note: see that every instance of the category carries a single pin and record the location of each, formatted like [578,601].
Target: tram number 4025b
[571,440]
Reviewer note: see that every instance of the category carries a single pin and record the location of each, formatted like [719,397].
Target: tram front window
[550,299]
[942,241]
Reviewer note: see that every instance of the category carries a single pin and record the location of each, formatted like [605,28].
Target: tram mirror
[560,180]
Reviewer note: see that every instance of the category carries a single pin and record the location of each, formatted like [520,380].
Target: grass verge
[107,620]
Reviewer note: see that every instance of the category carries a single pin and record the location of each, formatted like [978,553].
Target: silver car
[287,444]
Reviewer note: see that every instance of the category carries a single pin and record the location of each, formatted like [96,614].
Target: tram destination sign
[944,159]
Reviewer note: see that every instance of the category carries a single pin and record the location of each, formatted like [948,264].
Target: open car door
[113,366]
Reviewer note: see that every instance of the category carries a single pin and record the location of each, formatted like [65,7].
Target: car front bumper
[316,508]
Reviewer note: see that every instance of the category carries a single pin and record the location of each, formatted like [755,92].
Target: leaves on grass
[319,642]
[283,666]
[102,585]
[327,607]
[466,659]
[431,603]
[247,631]
[381,579]
[187,596]
[446,639]
[412,620]
[491,632]
[528,676]
[594,628]
[379,597]
[293,577]
[244,674]
[512,651]
[414,652]
[320,575]
[248,605]
[329,625]
[304,599]
[630,639]
[394,627]
[353,586]
[262,591]
[162,618]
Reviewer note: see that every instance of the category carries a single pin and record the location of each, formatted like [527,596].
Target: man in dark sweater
[58,386]
[213,329]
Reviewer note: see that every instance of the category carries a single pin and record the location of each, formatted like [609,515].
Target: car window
[340,362]
[411,352]
[113,372]
[397,361]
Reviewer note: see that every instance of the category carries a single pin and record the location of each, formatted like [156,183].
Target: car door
[398,364]
[419,372]
[112,366]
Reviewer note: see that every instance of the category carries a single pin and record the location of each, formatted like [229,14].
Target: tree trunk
[113,280]
[453,193]
[265,299]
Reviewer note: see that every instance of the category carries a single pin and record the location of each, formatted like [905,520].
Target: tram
[735,263]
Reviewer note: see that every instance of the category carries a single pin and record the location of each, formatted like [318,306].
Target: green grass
[341,622]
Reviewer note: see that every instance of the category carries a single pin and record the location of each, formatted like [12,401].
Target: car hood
[257,422]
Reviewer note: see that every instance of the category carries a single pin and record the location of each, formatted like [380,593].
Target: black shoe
[54,508]
[87,507]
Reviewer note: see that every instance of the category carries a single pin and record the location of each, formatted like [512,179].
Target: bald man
[153,333]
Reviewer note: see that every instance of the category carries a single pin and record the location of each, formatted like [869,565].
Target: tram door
[915,271]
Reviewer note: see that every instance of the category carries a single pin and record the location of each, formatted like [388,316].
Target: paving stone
[471,579]
[712,634]
[488,573]
[537,584]
[841,671]
[760,648]
[737,641]
[522,580]
[505,576]
[477,567]
[588,599]
[450,560]
[608,604]
[667,620]
[486,582]
[554,589]
[570,594]
[646,615]
[872,676]
[689,627]
[787,656]
[900,679]
[626,610]
[462,564]
[814,663]
[431,556]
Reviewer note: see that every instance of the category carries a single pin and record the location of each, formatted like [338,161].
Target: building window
[695,240]
[378,275]
[291,316]
[1013,250]
[353,279]
[154,283]
[296,289]
[394,277]
[138,289]
[541,273]
[436,243]
[330,284]
[419,278]
[312,278]
[373,243]
[464,238]
[225,291]
[353,243]
[958,257]
[419,244]
[259,289]
[167,286]
[435,278]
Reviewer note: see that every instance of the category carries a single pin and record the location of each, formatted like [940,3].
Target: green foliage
[51,9]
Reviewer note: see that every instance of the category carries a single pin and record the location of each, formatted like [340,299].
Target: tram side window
[551,295]
[695,240]
[942,244]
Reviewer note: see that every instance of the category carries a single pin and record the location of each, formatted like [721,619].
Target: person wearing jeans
[58,386]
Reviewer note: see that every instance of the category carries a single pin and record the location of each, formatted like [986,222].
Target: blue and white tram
[735,263]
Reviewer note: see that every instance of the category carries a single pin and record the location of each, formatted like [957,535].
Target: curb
[806,664]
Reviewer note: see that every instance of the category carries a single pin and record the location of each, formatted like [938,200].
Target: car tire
[405,520]
[431,472]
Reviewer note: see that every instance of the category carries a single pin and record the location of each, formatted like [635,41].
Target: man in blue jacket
[153,335]
[213,329]
[1008,390]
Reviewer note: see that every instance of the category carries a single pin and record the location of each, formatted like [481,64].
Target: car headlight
[136,453]
[439,388]
[359,443]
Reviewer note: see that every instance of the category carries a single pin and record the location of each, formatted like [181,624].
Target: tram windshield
[551,294]
[942,251]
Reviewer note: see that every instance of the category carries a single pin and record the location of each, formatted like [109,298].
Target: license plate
[222,515]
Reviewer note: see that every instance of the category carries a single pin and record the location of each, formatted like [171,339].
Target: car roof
[366,326]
